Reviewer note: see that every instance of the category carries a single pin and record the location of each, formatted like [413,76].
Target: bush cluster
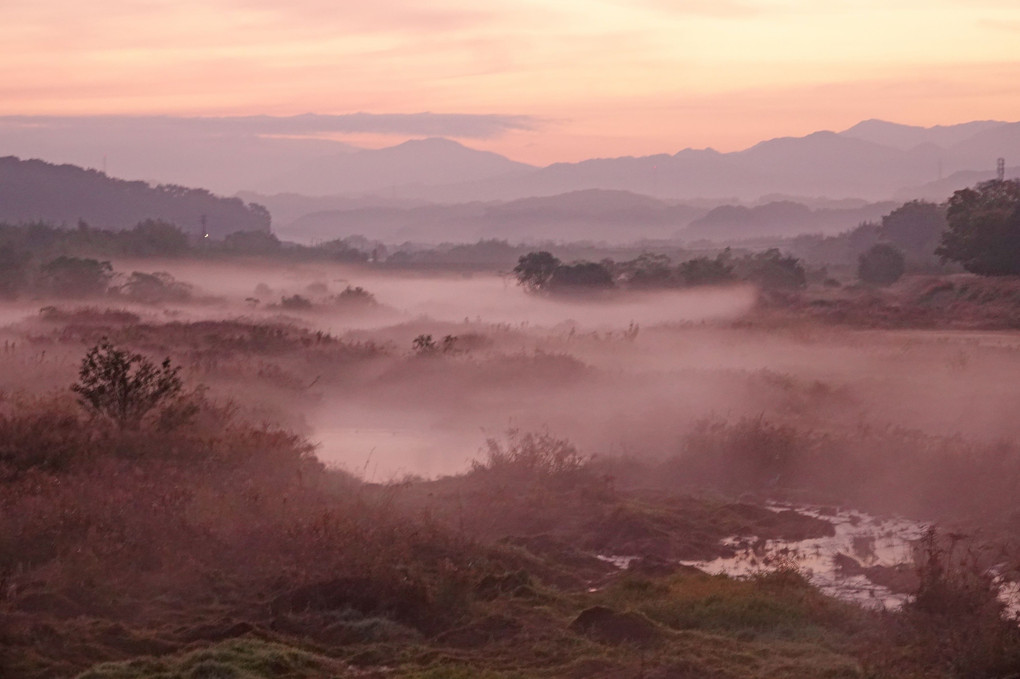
[769,270]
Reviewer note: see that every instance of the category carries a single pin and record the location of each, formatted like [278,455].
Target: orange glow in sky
[599,77]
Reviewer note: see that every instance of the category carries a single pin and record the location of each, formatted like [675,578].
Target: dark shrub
[153,288]
[882,264]
[534,270]
[295,302]
[123,387]
[984,229]
[76,276]
[771,270]
[705,271]
[591,275]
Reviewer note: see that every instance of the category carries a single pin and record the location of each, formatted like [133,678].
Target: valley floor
[241,530]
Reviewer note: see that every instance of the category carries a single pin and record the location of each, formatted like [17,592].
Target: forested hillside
[34,191]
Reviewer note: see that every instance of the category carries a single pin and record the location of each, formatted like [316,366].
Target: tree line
[44,259]
[542,272]
[977,228]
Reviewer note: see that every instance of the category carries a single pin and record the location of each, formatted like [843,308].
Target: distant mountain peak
[878,123]
[424,162]
[434,142]
[907,137]
[707,151]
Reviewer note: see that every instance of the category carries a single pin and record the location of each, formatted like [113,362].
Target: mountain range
[594,215]
[438,189]
[873,160]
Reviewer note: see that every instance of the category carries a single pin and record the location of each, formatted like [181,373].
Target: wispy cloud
[382,15]
[605,65]
[461,125]
[710,8]
[1001,24]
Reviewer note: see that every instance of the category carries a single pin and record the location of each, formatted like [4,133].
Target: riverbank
[247,532]
[253,560]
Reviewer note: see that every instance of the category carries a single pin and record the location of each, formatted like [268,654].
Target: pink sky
[600,77]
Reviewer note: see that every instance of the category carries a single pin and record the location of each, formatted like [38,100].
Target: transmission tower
[1000,169]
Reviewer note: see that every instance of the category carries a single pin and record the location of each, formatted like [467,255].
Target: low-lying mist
[445,297]
[617,374]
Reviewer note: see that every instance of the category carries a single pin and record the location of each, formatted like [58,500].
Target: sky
[536,80]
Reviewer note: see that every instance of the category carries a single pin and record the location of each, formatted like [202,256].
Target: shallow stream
[868,540]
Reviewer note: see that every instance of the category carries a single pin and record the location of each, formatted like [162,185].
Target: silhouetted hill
[834,165]
[942,189]
[32,190]
[220,155]
[781,219]
[906,137]
[422,162]
[593,214]
[612,216]
[689,174]
[287,208]
[1002,141]
[594,203]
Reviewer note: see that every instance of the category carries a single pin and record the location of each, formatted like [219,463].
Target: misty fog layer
[618,374]
[615,374]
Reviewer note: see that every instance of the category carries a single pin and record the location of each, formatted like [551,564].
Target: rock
[607,626]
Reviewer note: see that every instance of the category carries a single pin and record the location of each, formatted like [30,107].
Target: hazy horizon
[572,80]
[873,160]
[54,133]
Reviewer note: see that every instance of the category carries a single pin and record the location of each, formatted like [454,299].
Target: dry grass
[226,548]
[944,302]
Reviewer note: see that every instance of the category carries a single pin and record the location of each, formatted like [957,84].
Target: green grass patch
[237,659]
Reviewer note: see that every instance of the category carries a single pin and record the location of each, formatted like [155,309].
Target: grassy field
[226,535]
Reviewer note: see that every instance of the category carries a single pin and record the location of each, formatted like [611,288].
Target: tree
[984,229]
[155,237]
[581,275]
[342,250]
[705,271]
[123,387]
[424,345]
[648,270]
[153,288]
[260,213]
[534,270]
[252,242]
[882,264]
[13,270]
[915,227]
[771,270]
[295,302]
[76,276]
